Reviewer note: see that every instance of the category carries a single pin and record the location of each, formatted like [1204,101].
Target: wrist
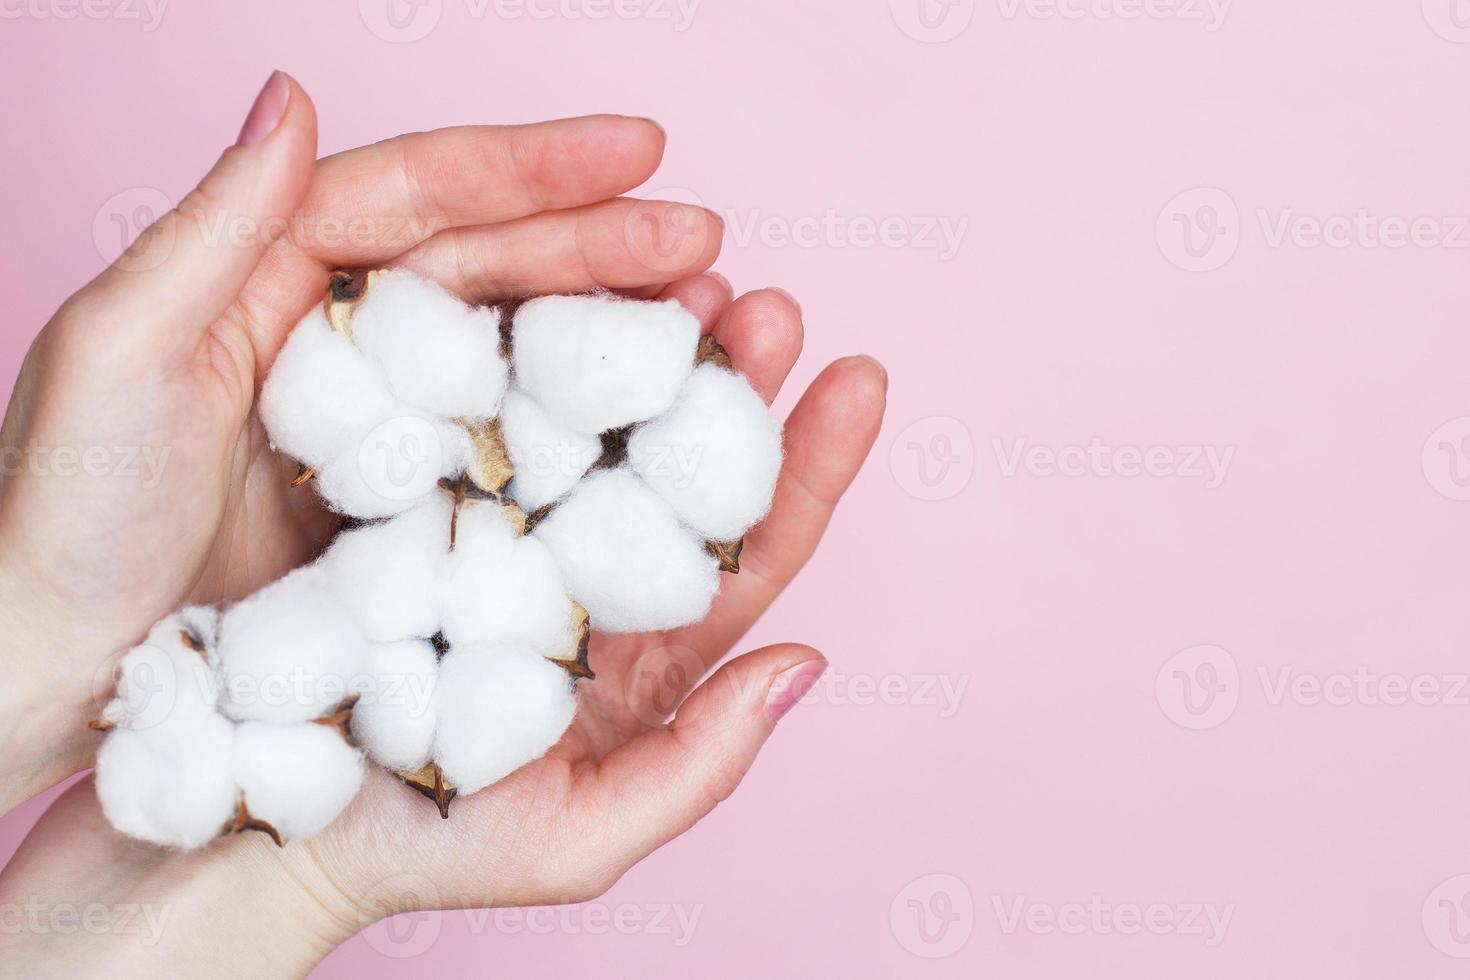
[106,906]
[45,703]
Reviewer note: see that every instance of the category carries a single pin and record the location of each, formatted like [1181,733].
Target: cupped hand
[169,351]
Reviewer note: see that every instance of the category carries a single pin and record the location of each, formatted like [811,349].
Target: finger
[187,267]
[763,335]
[373,203]
[604,244]
[663,782]
[827,437]
[706,296]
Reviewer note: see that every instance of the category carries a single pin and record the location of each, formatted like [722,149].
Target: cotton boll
[625,557]
[599,362]
[164,680]
[171,786]
[320,390]
[499,588]
[714,457]
[296,778]
[289,651]
[498,710]
[386,469]
[394,719]
[388,574]
[440,355]
[549,458]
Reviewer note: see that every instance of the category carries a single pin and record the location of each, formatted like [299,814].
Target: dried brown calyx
[344,291]
[491,468]
[577,665]
[243,821]
[430,781]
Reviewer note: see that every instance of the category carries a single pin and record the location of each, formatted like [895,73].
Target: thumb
[665,781]
[185,269]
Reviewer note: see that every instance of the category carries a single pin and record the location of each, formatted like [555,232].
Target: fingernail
[712,274]
[656,124]
[265,114]
[793,299]
[790,686]
[877,364]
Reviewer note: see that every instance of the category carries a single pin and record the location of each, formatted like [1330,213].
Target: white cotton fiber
[384,470]
[164,680]
[394,720]
[549,458]
[626,558]
[320,390]
[296,778]
[714,456]
[498,710]
[440,354]
[599,362]
[171,785]
[388,574]
[290,651]
[503,589]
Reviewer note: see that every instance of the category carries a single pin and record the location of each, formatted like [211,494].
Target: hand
[622,782]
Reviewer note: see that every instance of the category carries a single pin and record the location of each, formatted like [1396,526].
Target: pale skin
[167,349]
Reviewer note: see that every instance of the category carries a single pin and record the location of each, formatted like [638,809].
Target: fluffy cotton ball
[714,457]
[388,574]
[384,470]
[599,362]
[498,710]
[320,391]
[395,718]
[499,588]
[549,458]
[165,680]
[440,355]
[289,651]
[170,785]
[296,778]
[626,558]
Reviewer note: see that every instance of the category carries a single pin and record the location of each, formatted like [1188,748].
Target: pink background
[1120,642]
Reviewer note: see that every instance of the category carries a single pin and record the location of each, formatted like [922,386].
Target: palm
[513,211]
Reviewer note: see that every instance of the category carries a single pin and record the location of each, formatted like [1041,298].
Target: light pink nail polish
[266,113]
[791,685]
[794,302]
